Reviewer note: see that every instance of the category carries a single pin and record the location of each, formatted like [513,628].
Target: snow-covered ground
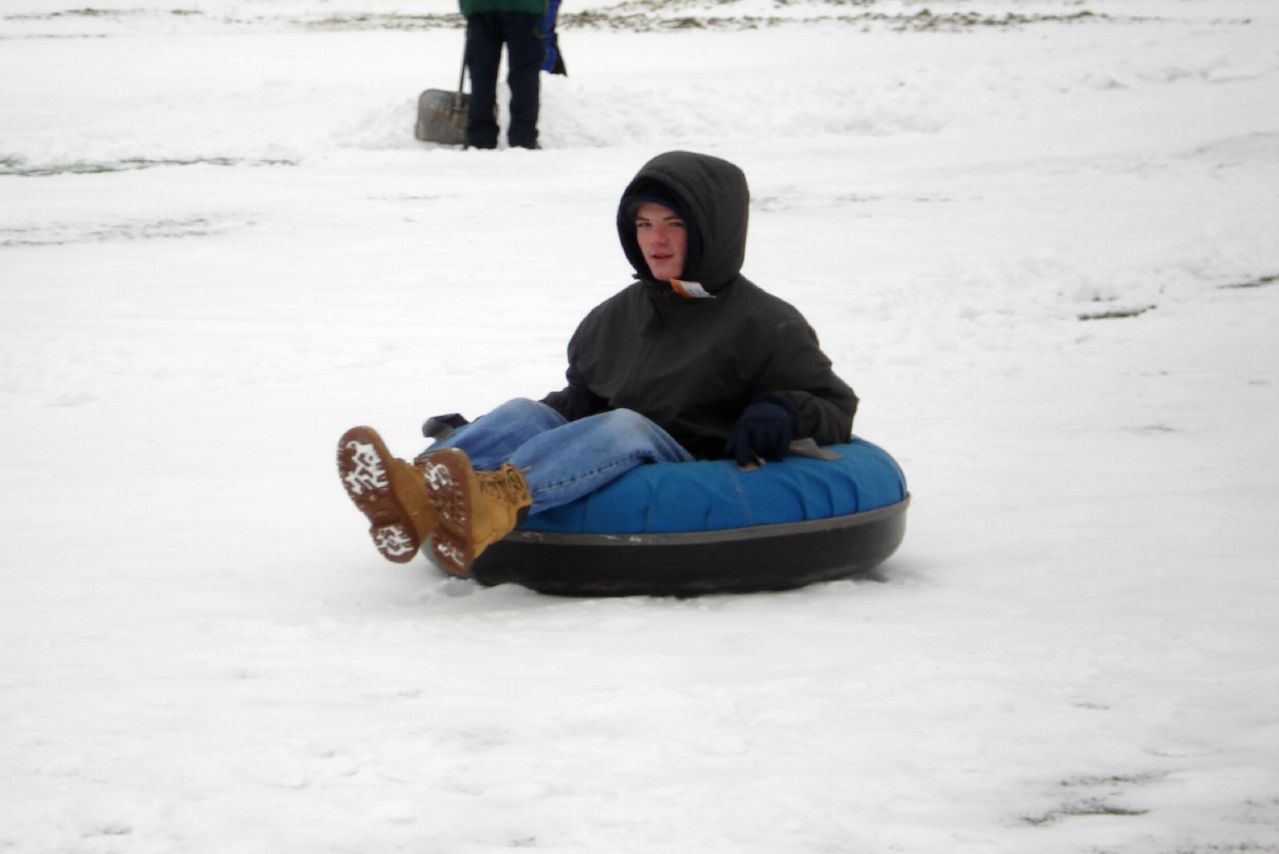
[1040,239]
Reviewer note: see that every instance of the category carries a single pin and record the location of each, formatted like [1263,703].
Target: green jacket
[471,7]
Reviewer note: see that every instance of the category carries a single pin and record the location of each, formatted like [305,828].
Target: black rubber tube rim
[762,557]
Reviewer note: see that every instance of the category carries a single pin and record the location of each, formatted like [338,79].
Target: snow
[220,246]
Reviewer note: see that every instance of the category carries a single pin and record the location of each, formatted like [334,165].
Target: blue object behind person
[553,60]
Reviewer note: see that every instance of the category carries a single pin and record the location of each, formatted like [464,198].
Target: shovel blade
[441,117]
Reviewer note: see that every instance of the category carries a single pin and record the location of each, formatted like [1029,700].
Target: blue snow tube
[685,529]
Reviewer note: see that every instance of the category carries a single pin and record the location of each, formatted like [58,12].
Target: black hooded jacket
[693,365]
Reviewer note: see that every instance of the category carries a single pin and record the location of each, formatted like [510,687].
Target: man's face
[663,239]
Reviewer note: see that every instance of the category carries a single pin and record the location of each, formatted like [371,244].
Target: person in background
[691,361]
[490,24]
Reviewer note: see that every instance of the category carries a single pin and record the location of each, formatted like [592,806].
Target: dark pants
[486,32]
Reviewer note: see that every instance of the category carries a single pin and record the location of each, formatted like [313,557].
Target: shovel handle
[461,77]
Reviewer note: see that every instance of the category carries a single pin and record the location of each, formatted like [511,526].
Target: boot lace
[506,484]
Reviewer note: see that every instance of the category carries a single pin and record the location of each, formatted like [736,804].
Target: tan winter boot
[389,491]
[476,508]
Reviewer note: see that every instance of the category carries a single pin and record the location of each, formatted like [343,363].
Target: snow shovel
[441,115]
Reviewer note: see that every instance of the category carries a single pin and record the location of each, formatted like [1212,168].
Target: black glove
[440,427]
[764,430]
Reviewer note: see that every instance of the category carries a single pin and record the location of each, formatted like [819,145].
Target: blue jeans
[563,460]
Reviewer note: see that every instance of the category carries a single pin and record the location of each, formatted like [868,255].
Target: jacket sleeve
[575,400]
[801,373]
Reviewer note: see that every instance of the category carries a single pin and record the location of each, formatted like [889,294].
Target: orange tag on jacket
[691,290]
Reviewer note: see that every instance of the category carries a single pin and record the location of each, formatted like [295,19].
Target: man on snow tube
[691,361]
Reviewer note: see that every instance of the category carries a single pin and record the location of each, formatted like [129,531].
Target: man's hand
[764,430]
